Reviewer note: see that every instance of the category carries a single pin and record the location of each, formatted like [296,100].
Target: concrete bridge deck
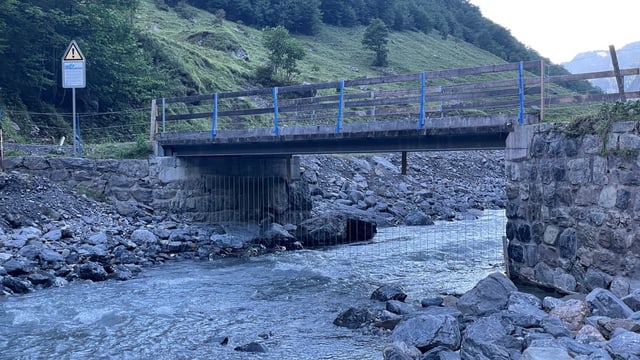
[454,133]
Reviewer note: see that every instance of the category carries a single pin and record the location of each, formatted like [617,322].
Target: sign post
[74,75]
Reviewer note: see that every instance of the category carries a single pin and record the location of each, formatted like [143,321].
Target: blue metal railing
[275,111]
[214,116]
[340,108]
[357,100]
[521,92]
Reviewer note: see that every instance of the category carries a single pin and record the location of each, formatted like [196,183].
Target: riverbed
[286,301]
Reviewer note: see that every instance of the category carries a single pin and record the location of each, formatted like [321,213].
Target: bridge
[457,109]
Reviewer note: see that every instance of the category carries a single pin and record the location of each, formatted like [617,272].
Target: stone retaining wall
[574,208]
[167,186]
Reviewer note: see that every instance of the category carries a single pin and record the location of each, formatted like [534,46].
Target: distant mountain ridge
[600,60]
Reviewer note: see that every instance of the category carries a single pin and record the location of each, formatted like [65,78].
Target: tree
[284,52]
[375,38]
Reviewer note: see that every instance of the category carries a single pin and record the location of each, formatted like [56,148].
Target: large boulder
[429,331]
[490,295]
[604,303]
[354,318]
[92,271]
[335,229]
[388,292]
[484,339]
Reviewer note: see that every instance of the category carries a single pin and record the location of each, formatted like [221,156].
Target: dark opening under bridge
[457,109]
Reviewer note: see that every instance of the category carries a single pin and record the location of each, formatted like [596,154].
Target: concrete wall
[195,189]
[574,207]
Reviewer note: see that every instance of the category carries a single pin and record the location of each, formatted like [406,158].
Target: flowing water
[286,301]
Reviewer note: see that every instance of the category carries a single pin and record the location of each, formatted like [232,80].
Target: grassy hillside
[201,52]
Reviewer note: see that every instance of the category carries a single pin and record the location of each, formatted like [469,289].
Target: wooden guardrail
[513,87]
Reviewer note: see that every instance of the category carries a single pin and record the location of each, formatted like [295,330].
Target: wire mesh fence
[277,215]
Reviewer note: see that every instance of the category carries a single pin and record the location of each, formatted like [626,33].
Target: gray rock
[490,295]
[440,353]
[388,292]
[418,218]
[624,345]
[17,267]
[94,253]
[121,273]
[555,327]
[276,235]
[252,347]
[228,241]
[434,301]
[401,351]
[472,350]
[143,237]
[633,300]
[399,307]
[620,287]
[97,239]
[428,331]
[16,285]
[545,353]
[334,229]
[41,278]
[53,235]
[92,271]
[354,318]
[549,302]
[604,303]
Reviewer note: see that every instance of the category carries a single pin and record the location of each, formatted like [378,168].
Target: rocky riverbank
[50,234]
[495,321]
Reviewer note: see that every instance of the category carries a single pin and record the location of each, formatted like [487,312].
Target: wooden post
[153,129]
[616,70]
[542,70]
[404,163]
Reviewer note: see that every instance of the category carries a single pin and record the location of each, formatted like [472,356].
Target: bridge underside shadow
[457,133]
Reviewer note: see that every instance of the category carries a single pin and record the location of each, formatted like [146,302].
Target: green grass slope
[202,53]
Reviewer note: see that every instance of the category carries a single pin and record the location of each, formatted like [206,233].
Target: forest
[126,69]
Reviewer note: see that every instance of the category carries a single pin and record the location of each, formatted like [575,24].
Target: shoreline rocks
[496,321]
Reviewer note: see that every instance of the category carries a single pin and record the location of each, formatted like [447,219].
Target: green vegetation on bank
[138,50]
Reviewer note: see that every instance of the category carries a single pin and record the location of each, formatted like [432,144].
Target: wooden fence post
[616,71]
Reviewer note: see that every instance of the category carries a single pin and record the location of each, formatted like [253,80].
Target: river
[286,301]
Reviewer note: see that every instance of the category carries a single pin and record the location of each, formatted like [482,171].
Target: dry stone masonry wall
[574,209]
[163,186]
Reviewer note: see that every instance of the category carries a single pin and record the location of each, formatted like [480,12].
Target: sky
[561,29]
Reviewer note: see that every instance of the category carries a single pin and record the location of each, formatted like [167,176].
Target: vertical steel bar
[275,111]
[521,93]
[542,90]
[422,89]
[214,116]
[1,145]
[340,107]
[78,136]
[164,116]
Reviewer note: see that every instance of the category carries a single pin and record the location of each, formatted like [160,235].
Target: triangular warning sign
[73,53]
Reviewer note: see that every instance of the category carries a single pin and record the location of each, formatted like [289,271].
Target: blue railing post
[340,107]
[521,93]
[422,89]
[164,115]
[214,116]
[275,111]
